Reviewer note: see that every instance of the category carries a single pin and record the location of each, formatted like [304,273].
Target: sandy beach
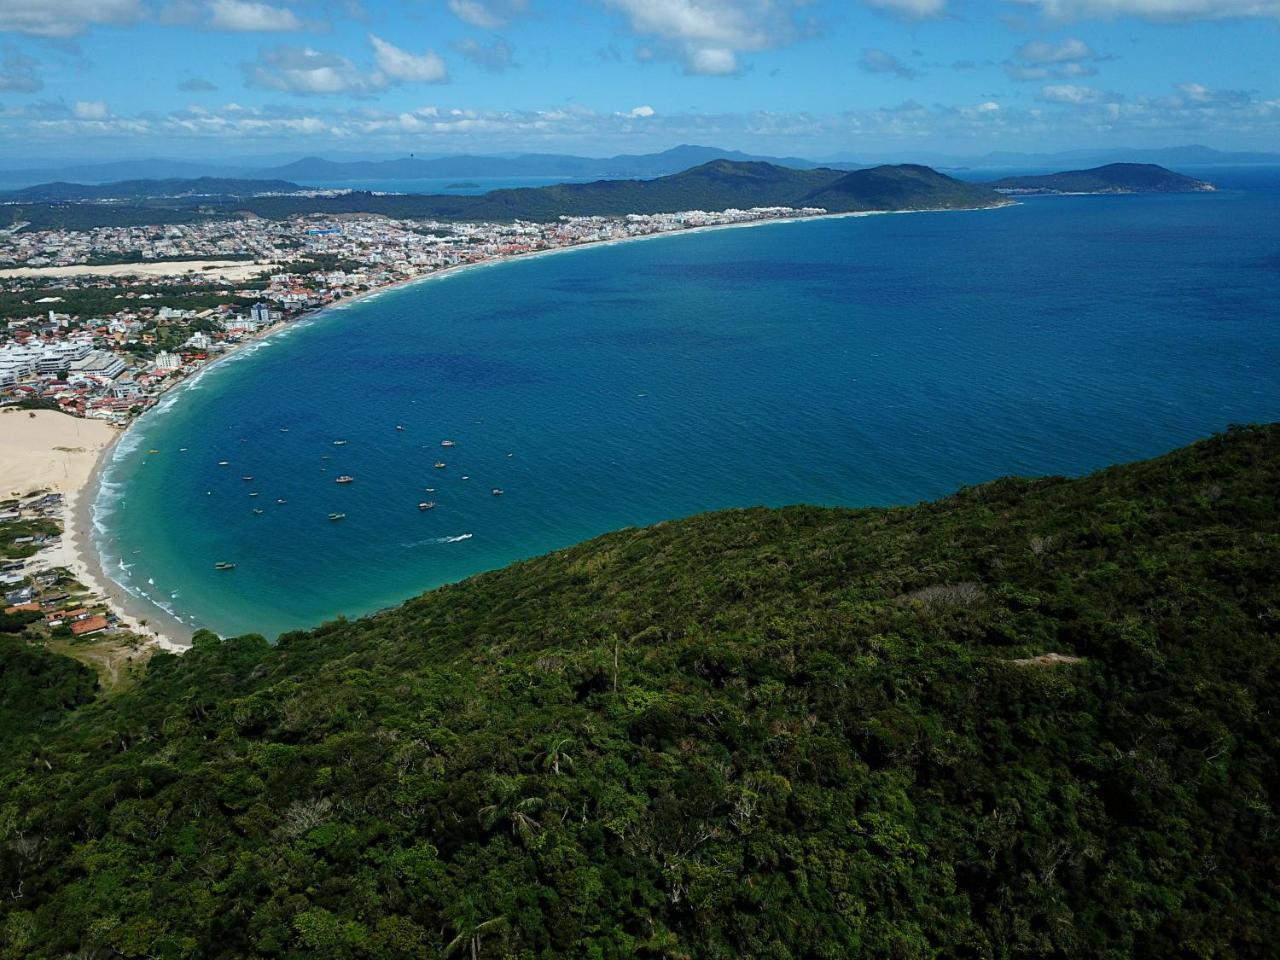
[231,270]
[47,450]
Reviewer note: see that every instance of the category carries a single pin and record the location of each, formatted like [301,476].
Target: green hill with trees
[1111,178]
[1033,719]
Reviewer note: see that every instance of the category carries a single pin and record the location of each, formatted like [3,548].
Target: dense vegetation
[1112,178]
[717,185]
[37,687]
[197,188]
[760,733]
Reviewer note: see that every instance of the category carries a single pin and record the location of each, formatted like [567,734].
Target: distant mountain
[1193,155]
[523,165]
[717,185]
[220,187]
[117,170]
[1112,178]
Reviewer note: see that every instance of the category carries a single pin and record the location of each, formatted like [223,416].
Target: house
[85,627]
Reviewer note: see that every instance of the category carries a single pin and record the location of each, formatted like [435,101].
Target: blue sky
[225,78]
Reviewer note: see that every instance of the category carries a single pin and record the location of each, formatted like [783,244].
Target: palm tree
[555,757]
[470,933]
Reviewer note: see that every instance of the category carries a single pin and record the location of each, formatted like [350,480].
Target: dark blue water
[876,360]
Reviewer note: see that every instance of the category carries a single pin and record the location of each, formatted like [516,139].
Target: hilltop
[715,185]
[1111,178]
[1035,718]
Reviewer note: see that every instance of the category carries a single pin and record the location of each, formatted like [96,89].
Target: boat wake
[434,540]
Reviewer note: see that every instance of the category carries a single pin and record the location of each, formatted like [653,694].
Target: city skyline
[821,79]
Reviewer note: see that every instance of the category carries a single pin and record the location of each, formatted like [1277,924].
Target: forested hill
[717,185]
[198,188]
[1112,178]
[1034,719]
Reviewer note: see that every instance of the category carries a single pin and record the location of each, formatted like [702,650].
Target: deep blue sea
[874,360]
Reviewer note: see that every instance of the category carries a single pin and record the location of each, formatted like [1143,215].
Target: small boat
[431,489]
[465,477]
[427,505]
[152,451]
[447,443]
[399,426]
[284,429]
[246,479]
[344,479]
[254,494]
[223,463]
[282,501]
[182,449]
[224,565]
[439,464]
[497,491]
[337,516]
[340,443]
[257,512]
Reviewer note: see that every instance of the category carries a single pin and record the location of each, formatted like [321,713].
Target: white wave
[435,540]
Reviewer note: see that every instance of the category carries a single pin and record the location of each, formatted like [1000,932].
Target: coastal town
[98,324]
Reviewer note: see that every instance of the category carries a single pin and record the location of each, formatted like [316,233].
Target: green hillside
[788,733]
[717,185]
[1112,178]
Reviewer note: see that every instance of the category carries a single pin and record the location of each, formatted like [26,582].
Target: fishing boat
[344,479]
[223,463]
[447,443]
[254,494]
[427,505]
[340,443]
[439,464]
[282,501]
[399,426]
[224,565]
[337,516]
[257,512]
[431,489]
[497,491]
[246,479]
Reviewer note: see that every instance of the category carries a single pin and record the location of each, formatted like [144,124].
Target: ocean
[862,361]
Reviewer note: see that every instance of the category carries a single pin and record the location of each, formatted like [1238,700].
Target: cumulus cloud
[64,18]
[197,85]
[708,35]
[305,72]
[487,14]
[494,57]
[18,72]
[401,65]
[245,16]
[644,111]
[1160,10]
[1039,60]
[882,61]
[910,9]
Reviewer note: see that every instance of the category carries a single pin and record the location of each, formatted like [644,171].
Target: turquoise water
[874,360]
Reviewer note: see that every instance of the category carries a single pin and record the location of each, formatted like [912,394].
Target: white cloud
[248,17]
[1071,93]
[412,68]
[487,14]
[64,18]
[304,71]
[707,35]
[90,110]
[1038,51]
[644,111]
[1161,10]
[910,9]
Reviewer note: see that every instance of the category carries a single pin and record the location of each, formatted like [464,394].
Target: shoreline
[79,512]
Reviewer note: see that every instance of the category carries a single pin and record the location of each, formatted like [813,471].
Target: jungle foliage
[787,733]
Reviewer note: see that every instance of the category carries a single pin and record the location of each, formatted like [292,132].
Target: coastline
[175,636]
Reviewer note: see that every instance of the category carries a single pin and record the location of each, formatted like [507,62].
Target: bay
[862,361]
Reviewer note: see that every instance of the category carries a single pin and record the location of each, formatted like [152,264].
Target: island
[1111,178]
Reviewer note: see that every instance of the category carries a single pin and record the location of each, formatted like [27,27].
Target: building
[99,363]
[168,361]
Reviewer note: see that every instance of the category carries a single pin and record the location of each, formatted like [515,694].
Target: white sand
[53,451]
[232,270]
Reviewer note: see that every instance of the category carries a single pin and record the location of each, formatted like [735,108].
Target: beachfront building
[99,363]
[168,361]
